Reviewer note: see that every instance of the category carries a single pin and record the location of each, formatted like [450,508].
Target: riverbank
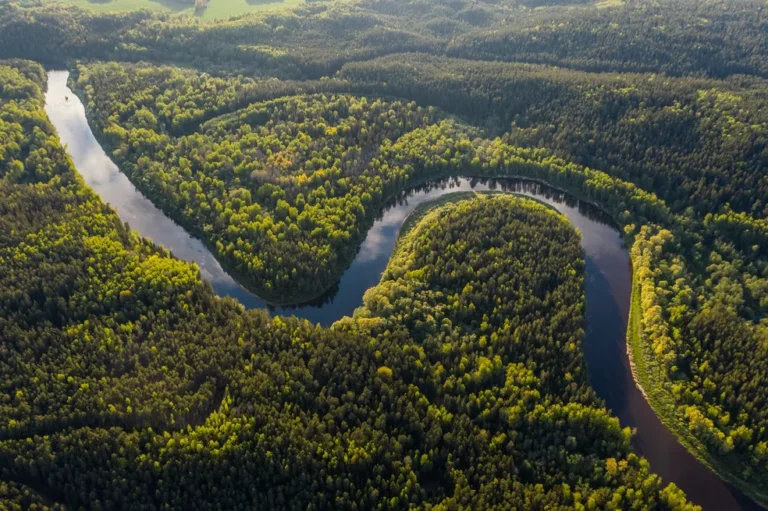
[415,216]
[608,288]
[650,380]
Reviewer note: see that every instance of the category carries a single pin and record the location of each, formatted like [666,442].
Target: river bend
[607,284]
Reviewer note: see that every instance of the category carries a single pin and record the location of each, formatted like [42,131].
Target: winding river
[608,285]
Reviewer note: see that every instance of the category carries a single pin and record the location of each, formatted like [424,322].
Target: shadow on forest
[53,496]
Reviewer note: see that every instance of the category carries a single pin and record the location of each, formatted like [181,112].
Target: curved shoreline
[759,500]
[247,283]
[633,322]
[606,332]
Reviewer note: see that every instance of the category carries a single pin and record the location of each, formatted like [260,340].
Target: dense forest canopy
[127,383]
[697,143]
[715,38]
[277,138]
[300,177]
[282,188]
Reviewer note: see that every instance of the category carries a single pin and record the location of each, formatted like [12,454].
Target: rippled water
[607,284]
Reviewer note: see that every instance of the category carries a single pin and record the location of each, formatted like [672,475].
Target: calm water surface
[608,284]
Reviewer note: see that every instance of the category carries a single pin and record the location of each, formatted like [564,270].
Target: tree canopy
[127,383]
[277,138]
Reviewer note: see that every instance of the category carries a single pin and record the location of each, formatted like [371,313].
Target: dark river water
[608,284]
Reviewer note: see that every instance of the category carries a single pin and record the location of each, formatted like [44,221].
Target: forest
[716,38]
[277,138]
[127,382]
